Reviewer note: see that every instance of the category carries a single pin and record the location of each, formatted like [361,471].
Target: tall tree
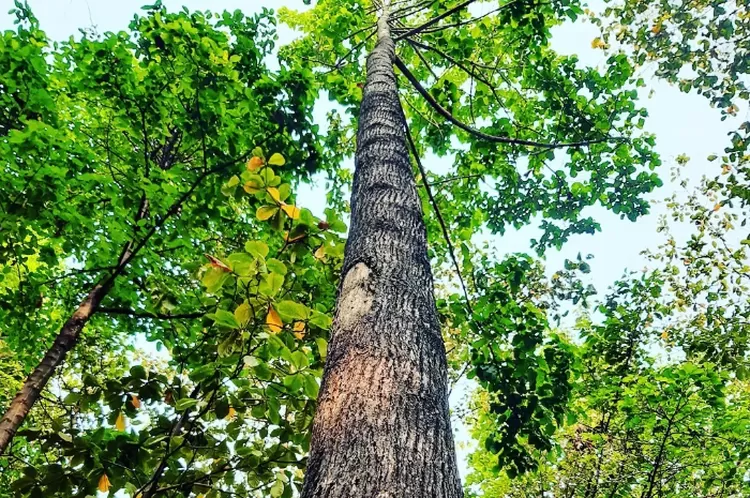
[382,427]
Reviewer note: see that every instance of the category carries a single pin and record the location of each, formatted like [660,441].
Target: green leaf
[224,318]
[138,372]
[277,489]
[257,248]
[214,279]
[322,347]
[290,310]
[311,386]
[276,266]
[320,320]
[184,404]
[276,160]
[270,284]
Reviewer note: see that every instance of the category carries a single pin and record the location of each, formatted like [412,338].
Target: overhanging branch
[145,314]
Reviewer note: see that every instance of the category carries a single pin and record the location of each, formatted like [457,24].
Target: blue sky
[683,124]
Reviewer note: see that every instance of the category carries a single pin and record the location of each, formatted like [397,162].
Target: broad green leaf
[257,248]
[276,159]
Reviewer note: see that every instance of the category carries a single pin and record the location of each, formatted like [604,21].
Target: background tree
[162,117]
[117,143]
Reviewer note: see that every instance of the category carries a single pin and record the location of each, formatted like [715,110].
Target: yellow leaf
[291,211]
[320,252]
[104,483]
[265,212]
[274,193]
[254,163]
[277,160]
[656,29]
[243,313]
[598,43]
[120,422]
[299,330]
[252,187]
[273,320]
[135,401]
[717,207]
[231,414]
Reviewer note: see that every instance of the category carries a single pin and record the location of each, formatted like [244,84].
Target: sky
[683,124]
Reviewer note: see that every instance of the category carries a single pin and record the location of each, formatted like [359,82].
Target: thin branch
[455,178]
[492,138]
[463,23]
[147,314]
[424,61]
[438,214]
[435,20]
[339,63]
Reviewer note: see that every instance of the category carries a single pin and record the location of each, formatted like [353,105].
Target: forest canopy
[236,261]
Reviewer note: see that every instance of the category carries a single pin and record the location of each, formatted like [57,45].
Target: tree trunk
[65,341]
[382,429]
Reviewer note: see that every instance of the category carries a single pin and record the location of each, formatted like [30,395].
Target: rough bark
[382,429]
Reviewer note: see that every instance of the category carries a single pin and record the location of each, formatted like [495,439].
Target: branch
[424,61]
[455,178]
[435,20]
[439,215]
[146,314]
[462,23]
[492,138]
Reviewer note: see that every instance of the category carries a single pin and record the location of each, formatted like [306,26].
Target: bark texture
[382,429]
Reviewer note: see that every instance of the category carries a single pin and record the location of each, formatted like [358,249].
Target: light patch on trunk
[356,297]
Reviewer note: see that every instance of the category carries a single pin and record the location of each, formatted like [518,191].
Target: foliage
[127,140]
[198,374]
[662,373]
[548,98]
[702,47]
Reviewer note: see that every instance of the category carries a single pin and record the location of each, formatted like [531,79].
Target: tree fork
[382,429]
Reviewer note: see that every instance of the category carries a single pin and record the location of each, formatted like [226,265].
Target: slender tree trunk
[382,429]
[35,383]
[64,342]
